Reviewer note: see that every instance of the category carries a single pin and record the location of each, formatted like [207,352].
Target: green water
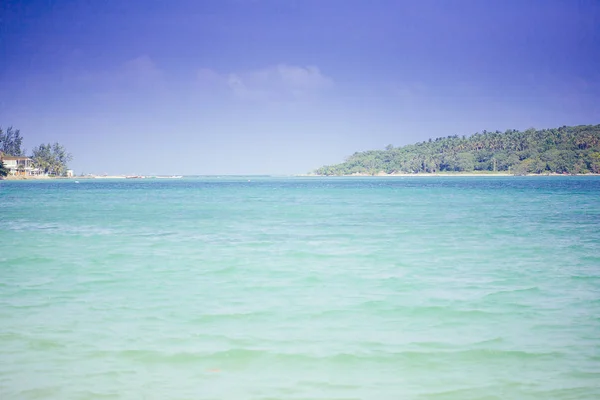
[399,288]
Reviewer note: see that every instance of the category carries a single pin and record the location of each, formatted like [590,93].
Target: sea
[300,288]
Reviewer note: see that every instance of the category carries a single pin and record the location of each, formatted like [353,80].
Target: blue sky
[285,86]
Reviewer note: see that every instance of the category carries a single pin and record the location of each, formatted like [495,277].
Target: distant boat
[135,177]
[169,177]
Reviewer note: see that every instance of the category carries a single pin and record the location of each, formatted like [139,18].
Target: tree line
[564,150]
[50,159]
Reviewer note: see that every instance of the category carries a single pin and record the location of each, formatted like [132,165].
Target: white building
[19,165]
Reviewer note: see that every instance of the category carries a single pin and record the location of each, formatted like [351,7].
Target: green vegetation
[51,159]
[48,158]
[3,170]
[565,150]
[10,142]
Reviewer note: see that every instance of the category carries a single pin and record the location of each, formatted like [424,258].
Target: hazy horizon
[271,87]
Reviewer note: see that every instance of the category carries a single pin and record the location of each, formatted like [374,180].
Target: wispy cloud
[280,82]
[141,71]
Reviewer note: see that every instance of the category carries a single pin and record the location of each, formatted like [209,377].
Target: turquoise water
[389,288]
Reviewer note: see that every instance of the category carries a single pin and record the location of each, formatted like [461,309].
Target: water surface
[304,288]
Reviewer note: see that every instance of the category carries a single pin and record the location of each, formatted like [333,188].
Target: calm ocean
[301,288]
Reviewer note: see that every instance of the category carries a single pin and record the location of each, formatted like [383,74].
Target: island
[564,150]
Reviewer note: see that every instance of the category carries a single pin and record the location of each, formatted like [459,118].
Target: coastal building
[20,165]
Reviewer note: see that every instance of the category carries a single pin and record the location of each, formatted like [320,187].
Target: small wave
[495,354]
[432,345]
[148,356]
[448,311]
[220,271]
[496,340]
[592,278]
[581,392]
[26,306]
[37,343]
[20,226]
[595,375]
[238,356]
[35,283]
[442,311]
[94,394]
[48,392]
[99,281]
[463,393]
[6,336]
[230,316]
[155,234]
[24,260]
[45,344]
[386,309]
[529,290]
[328,385]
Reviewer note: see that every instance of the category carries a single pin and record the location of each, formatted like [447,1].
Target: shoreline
[426,175]
[379,175]
[45,178]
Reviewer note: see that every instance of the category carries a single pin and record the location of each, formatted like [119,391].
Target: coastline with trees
[566,150]
[45,161]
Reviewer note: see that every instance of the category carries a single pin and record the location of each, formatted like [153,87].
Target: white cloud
[274,83]
[140,71]
[409,90]
[207,76]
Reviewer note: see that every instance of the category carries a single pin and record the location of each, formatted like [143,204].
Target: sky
[285,86]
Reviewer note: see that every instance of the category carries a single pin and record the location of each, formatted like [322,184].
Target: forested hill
[569,149]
